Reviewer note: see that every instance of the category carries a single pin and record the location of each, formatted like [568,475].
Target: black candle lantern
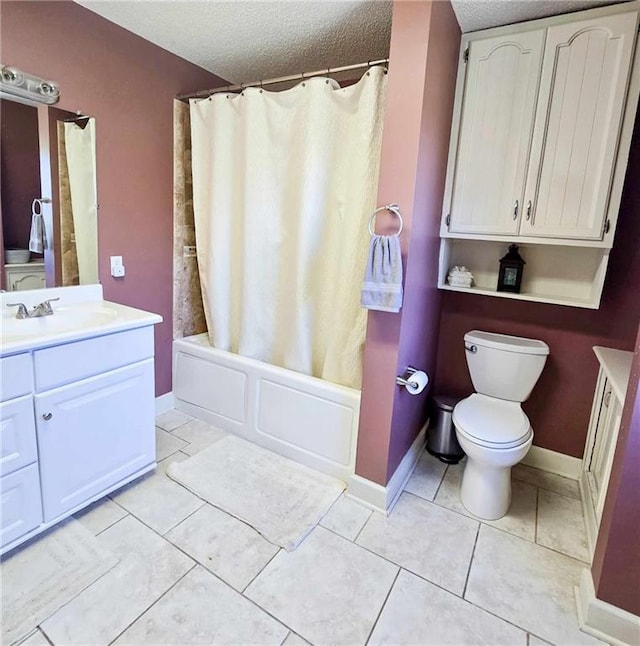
[511,268]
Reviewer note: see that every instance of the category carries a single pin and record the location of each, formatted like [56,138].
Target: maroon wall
[19,170]
[128,84]
[616,563]
[423,59]
[560,405]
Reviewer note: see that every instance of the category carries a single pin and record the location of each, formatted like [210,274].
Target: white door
[582,95]
[94,433]
[498,109]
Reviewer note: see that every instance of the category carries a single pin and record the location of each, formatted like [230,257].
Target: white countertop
[80,313]
[616,365]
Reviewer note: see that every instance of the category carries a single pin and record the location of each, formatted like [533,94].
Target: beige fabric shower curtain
[283,186]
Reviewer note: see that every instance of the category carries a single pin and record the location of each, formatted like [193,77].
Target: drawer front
[64,364]
[17,376]
[21,508]
[17,435]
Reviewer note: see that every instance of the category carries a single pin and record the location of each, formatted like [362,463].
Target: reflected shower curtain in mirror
[283,186]
[80,146]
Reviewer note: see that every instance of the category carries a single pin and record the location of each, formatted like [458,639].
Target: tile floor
[430,573]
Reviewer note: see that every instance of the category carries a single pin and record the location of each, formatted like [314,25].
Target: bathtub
[303,418]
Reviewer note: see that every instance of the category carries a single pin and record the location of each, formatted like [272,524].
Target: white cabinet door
[94,433]
[20,504]
[498,109]
[582,97]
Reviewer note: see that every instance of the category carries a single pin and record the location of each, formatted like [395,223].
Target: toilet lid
[491,421]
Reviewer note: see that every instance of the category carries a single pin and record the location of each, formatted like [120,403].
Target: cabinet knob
[516,205]
[47,416]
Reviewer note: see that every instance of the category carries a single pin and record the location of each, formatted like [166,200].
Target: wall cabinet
[542,127]
[78,422]
[606,414]
[29,275]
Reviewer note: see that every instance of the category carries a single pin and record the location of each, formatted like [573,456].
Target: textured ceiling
[481,14]
[247,41]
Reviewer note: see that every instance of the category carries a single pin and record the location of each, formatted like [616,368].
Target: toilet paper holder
[403,381]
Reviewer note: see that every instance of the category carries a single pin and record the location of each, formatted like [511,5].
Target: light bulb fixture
[17,85]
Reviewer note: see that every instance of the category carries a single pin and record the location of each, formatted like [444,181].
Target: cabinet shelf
[560,275]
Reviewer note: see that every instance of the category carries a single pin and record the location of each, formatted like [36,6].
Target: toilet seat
[492,423]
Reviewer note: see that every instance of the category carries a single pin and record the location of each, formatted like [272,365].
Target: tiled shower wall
[188,312]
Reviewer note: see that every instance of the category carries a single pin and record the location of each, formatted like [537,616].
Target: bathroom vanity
[77,406]
[606,415]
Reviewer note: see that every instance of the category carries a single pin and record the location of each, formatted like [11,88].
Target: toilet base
[486,491]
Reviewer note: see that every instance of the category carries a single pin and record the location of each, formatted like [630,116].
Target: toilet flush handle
[471,348]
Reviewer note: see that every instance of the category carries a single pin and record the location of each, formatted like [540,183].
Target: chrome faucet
[42,309]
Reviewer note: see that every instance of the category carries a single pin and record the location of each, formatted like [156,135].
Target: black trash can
[441,437]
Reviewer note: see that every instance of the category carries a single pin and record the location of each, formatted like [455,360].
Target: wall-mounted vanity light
[26,88]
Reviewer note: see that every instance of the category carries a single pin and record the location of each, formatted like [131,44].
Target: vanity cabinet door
[94,433]
[582,98]
[500,87]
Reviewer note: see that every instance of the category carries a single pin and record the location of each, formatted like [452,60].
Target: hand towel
[382,287]
[38,236]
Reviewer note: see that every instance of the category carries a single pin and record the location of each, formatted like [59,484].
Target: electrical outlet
[117,268]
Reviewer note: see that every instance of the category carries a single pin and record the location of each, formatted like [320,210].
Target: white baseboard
[603,620]
[164,403]
[558,463]
[380,498]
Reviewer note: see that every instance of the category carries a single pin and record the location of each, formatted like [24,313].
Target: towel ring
[395,209]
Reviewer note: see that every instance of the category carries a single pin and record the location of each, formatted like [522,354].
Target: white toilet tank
[503,366]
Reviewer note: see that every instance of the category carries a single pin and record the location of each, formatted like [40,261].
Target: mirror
[48,196]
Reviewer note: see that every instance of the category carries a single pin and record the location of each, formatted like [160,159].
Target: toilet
[490,425]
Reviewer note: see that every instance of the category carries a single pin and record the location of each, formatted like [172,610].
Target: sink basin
[62,320]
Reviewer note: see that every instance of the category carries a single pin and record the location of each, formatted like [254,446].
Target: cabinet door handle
[47,416]
[515,209]
[529,210]
[607,399]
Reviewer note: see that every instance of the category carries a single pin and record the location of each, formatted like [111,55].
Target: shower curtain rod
[281,79]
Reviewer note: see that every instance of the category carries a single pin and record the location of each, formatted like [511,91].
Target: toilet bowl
[491,427]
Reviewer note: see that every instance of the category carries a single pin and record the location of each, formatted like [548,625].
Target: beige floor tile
[519,520]
[428,540]
[329,590]
[172,419]
[226,546]
[346,517]
[528,585]
[200,609]
[166,444]
[546,480]
[199,435]
[101,514]
[163,465]
[149,566]
[294,640]
[35,639]
[561,525]
[418,612]
[426,477]
[536,641]
[158,501]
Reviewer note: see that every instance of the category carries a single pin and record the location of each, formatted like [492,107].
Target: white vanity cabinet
[542,125]
[79,422]
[606,415]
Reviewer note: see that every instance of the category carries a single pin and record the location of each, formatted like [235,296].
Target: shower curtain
[283,186]
[81,155]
